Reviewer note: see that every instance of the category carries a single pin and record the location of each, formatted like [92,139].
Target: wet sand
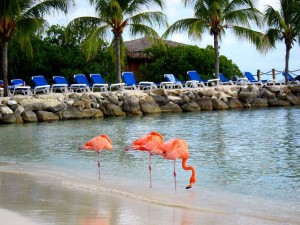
[27,200]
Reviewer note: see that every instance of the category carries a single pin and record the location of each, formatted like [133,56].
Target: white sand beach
[28,200]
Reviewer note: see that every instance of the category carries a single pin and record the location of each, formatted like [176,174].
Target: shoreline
[71,106]
[13,218]
[55,202]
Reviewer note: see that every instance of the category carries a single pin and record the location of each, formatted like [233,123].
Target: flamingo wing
[98,143]
[174,149]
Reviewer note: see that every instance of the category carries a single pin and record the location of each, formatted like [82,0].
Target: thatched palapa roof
[135,48]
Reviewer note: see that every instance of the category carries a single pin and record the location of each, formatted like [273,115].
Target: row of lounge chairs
[83,85]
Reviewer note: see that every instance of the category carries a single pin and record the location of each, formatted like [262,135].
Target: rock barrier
[71,106]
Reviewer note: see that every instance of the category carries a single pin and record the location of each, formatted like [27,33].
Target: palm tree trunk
[118,55]
[216,48]
[5,66]
[287,59]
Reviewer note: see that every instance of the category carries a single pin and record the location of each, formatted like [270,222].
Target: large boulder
[176,99]
[273,89]
[247,96]
[69,113]
[295,89]
[113,110]
[190,107]
[44,116]
[29,117]
[218,104]
[149,106]
[259,102]
[131,104]
[278,103]
[19,110]
[269,95]
[113,99]
[171,107]
[5,110]
[92,113]
[234,103]
[57,107]
[9,118]
[205,103]
[33,104]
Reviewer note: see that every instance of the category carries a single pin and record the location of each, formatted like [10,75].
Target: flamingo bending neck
[193,176]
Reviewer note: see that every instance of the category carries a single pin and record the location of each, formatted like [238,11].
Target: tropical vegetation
[284,25]
[215,17]
[20,20]
[54,56]
[183,58]
[115,16]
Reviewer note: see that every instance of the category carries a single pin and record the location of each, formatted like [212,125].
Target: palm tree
[284,25]
[115,16]
[215,16]
[20,19]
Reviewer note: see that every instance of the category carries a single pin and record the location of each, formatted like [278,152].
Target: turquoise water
[250,155]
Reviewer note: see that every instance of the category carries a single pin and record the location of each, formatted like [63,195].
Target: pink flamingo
[174,149]
[99,143]
[149,143]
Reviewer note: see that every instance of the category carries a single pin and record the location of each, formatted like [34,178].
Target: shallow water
[247,162]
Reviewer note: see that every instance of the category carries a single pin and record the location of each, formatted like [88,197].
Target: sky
[240,52]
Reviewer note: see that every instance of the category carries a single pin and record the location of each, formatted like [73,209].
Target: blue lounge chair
[252,80]
[172,82]
[133,84]
[83,82]
[19,86]
[291,79]
[1,88]
[63,85]
[98,81]
[194,76]
[224,80]
[41,85]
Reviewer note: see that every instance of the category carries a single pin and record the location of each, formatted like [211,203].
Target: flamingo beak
[189,186]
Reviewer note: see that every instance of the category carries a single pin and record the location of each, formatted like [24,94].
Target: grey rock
[190,107]
[29,117]
[171,107]
[44,116]
[149,106]
[259,102]
[205,103]
[277,103]
[219,104]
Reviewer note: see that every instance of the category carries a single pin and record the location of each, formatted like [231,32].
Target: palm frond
[87,21]
[194,26]
[243,17]
[254,37]
[150,18]
[141,29]
[47,7]
[137,6]
[91,44]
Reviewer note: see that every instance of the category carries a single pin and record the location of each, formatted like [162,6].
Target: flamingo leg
[174,173]
[150,170]
[99,163]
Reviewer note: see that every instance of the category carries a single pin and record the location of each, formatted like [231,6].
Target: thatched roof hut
[135,52]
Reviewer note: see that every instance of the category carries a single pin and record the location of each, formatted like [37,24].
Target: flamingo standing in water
[174,149]
[99,143]
[149,143]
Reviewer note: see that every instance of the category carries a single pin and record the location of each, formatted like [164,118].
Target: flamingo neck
[193,176]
